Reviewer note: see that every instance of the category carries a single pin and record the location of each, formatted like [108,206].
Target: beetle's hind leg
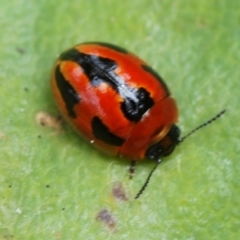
[132,169]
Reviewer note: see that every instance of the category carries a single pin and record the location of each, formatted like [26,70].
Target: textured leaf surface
[56,186]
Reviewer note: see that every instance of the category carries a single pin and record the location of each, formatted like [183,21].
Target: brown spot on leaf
[2,135]
[46,120]
[21,50]
[119,192]
[105,217]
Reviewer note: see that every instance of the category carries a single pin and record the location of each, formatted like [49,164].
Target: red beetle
[117,102]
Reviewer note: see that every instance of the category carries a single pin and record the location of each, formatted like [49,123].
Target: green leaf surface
[53,185]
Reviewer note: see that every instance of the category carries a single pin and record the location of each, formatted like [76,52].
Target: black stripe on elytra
[69,95]
[99,70]
[109,45]
[136,101]
[101,132]
[96,68]
[133,109]
[157,76]
[70,54]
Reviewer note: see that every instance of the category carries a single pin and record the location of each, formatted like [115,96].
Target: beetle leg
[132,169]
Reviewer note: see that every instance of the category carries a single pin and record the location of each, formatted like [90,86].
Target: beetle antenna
[147,180]
[180,140]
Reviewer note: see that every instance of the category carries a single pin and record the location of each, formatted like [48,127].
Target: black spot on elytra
[69,95]
[157,76]
[101,132]
[134,108]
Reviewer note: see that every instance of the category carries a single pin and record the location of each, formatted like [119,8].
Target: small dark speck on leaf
[20,50]
[7,236]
